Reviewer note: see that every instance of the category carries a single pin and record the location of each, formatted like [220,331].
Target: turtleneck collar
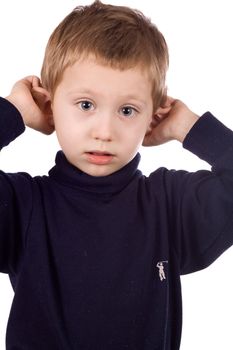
[67,174]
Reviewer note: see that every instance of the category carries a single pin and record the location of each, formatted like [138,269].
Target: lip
[99,157]
[100,152]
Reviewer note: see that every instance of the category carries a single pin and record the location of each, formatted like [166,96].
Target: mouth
[99,157]
[99,153]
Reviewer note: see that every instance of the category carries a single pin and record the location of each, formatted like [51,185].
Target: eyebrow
[92,92]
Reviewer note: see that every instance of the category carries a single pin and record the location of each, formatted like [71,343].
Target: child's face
[101,115]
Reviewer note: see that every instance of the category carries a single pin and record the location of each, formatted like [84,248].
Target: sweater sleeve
[15,196]
[201,203]
[11,122]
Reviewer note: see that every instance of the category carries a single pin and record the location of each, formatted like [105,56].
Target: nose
[103,128]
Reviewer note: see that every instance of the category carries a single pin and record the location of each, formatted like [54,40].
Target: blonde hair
[118,36]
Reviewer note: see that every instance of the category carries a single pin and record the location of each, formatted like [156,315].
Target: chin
[99,171]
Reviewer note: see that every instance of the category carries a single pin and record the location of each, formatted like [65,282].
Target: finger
[31,80]
[40,92]
[36,82]
[170,100]
[165,102]
[161,112]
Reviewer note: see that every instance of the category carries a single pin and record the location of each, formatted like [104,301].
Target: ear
[154,120]
[48,112]
[42,98]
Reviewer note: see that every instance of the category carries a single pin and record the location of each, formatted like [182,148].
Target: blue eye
[85,105]
[128,111]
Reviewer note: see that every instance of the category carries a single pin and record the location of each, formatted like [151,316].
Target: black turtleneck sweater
[95,262]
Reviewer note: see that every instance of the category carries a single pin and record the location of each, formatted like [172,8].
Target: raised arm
[200,204]
[28,104]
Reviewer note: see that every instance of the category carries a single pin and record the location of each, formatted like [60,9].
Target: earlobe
[48,112]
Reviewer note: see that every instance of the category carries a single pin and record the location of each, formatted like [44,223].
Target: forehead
[89,73]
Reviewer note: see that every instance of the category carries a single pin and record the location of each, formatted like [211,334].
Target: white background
[199,35]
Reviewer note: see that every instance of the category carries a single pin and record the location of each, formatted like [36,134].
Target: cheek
[135,135]
[65,133]
[145,125]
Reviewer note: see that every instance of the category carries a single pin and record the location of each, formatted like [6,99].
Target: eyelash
[134,110]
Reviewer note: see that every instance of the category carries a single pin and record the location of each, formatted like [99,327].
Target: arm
[200,204]
[15,194]
[25,105]
[204,199]
[11,123]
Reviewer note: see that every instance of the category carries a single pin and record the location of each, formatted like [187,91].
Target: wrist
[185,126]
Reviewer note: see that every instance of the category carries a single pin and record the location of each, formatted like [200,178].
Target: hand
[172,121]
[33,102]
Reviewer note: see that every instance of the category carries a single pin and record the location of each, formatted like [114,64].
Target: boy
[95,250]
